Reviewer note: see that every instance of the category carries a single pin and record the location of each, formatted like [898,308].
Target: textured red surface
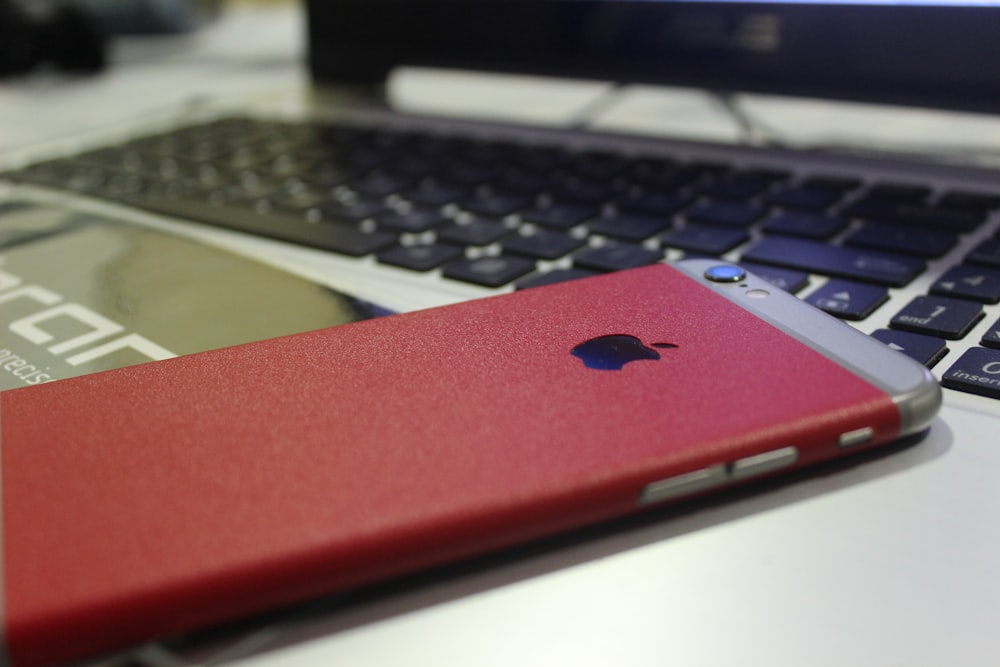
[157,498]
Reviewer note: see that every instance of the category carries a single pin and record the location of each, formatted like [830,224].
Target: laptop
[889,560]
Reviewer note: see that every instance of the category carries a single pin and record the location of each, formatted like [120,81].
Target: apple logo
[612,352]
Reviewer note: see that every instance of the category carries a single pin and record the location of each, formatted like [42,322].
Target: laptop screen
[927,52]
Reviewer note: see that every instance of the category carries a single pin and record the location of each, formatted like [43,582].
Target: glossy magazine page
[81,293]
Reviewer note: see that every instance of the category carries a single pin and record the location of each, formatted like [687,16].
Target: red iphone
[153,499]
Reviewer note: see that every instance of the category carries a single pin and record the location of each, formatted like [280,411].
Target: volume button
[764,463]
[682,485]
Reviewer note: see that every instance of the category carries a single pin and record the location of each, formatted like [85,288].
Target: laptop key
[970,282]
[900,192]
[848,300]
[904,239]
[414,221]
[925,349]
[986,253]
[653,203]
[938,316]
[706,239]
[337,237]
[435,192]
[561,216]
[789,280]
[916,214]
[475,232]
[422,257]
[976,372]
[489,271]
[726,213]
[630,226]
[586,191]
[937,217]
[616,257]
[543,278]
[842,262]
[738,187]
[496,204]
[969,201]
[805,224]
[542,244]
[805,198]
[842,184]
[992,337]
[354,209]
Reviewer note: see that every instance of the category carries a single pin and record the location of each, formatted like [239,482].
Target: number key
[938,316]
[977,372]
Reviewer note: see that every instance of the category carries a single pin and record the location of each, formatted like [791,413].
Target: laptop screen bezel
[926,55]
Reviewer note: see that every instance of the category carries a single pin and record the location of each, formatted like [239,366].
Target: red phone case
[158,498]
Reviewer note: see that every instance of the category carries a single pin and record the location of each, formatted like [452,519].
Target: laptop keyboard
[499,214]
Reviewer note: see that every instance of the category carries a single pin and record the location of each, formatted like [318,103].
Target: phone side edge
[912,386]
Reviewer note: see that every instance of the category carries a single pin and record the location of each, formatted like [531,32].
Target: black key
[908,240]
[937,217]
[885,210]
[938,316]
[586,191]
[739,187]
[986,253]
[805,198]
[475,232]
[848,300]
[524,180]
[433,192]
[805,224]
[379,183]
[415,165]
[970,282]
[489,271]
[496,204]
[299,197]
[420,257]
[969,201]
[924,349]
[562,216]
[706,239]
[490,151]
[330,173]
[654,203]
[415,221]
[992,337]
[976,372]
[771,176]
[542,244]
[541,157]
[630,226]
[337,237]
[842,184]
[552,277]
[900,192]
[726,213]
[661,175]
[356,210]
[851,263]
[598,165]
[868,208]
[789,280]
[615,257]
